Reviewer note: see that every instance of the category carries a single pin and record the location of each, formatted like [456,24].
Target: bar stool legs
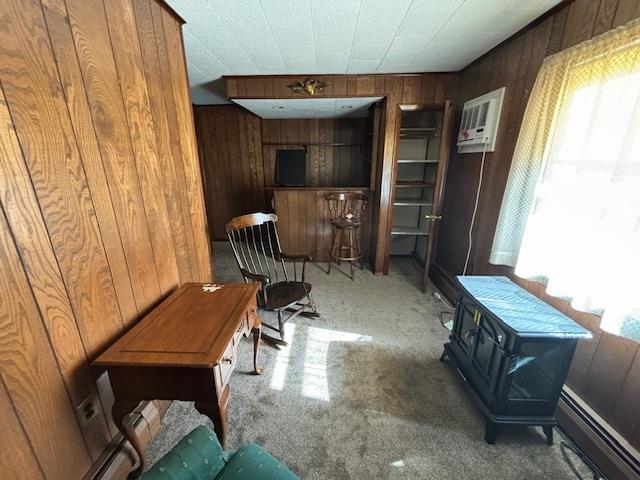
[348,251]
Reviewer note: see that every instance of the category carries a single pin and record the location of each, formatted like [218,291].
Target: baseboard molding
[597,439]
[120,458]
[444,282]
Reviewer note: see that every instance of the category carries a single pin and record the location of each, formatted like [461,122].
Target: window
[570,216]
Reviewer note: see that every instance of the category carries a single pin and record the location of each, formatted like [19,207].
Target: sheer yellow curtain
[570,215]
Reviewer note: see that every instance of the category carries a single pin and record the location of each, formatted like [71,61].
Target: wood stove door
[464,331]
[486,357]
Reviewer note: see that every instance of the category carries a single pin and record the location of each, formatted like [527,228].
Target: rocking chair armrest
[256,277]
[304,258]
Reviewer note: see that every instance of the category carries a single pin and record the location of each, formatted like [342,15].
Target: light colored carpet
[360,393]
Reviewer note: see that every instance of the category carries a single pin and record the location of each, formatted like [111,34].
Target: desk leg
[217,412]
[257,333]
[119,411]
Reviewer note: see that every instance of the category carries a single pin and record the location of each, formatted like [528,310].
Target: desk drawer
[248,319]
[227,364]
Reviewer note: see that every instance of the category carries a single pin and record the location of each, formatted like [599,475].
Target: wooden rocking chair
[256,246]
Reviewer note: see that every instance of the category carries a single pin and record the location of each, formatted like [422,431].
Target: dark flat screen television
[291,167]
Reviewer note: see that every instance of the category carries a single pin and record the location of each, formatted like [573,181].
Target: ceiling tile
[334,17]
[362,66]
[249,37]
[242,17]
[408,46]
[369,52]
[428,16]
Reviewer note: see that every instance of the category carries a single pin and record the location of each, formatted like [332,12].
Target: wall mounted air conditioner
[479,124]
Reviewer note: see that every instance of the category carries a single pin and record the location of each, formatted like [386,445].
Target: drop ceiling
[310,107]
[265,37]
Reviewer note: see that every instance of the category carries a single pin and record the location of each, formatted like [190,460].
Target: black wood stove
[512,350]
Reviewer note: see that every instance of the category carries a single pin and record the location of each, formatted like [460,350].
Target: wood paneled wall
[101,210]
[344,164]
[304,222]
[605,371]
[237,151]
[428,88]
[230,145]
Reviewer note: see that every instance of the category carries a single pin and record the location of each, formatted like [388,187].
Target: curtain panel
[570,216]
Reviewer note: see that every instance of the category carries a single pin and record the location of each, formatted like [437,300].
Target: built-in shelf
[409,231]
[414,184]
[412,202]
[418,133]
[411,160]
[319,189]
[302,144]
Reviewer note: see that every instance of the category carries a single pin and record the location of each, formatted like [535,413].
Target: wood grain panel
[41,267]
[184,115]
[75,96]
[93,46]
[174,133]
[40,117]
[17,458]
[606,14]
[153,77]
[129,65]
[304,223]
[29,371]
[343,164]
[607,373]
[92,176]
[580,22]
[231,152]
[626,11]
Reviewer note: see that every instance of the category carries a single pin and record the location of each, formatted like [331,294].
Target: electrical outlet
[87,410]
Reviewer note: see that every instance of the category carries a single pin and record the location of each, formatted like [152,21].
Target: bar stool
[347,211]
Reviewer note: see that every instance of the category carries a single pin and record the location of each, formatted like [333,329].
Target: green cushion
[252,462]
[198,456]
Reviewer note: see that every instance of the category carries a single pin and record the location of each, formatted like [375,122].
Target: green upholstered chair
[199,456]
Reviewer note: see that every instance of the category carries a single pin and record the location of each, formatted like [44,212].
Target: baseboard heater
[620,453]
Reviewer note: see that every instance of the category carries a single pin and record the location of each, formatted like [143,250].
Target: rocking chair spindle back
[256,247]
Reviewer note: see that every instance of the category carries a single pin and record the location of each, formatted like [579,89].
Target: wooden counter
[304,224]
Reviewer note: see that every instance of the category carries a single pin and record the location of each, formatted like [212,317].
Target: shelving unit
[416,176]
[409,231]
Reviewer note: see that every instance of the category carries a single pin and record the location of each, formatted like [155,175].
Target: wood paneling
[101,210]
[230,148]
[604,371]
[187,136]
[344,164]
[304,223]
[425,88]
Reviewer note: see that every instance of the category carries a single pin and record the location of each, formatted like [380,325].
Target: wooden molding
[596,438]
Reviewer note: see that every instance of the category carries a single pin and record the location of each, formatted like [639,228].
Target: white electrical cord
[475,210]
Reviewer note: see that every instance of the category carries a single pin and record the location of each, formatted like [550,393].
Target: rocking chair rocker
[256,247]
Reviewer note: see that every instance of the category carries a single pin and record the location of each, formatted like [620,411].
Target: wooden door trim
[438,193]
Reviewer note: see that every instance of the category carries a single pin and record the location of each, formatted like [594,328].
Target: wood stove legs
[491,430]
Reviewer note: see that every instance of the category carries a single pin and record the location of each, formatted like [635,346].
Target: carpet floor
[360,393]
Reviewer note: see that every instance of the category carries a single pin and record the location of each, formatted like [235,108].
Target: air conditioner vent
[479,123]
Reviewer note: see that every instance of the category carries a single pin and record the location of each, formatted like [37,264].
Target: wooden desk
[185,349]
